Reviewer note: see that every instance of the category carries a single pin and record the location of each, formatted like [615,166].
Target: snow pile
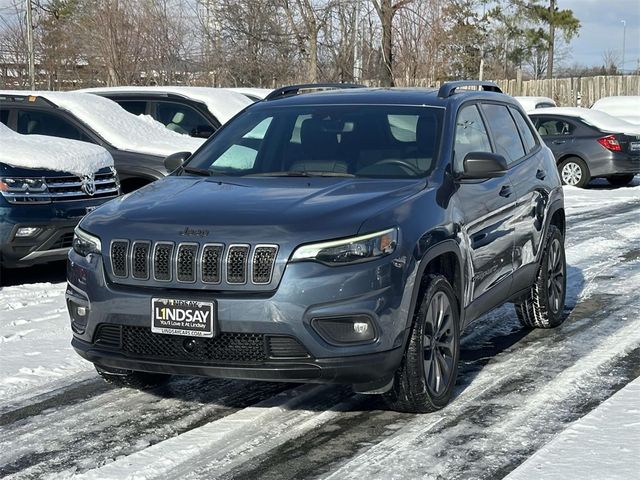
[603,444]
[119,127]
[598,119]
[530,103]
[624,107]
[222,103]
[50,153]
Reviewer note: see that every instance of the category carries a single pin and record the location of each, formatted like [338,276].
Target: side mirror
[482,165]
[175,160]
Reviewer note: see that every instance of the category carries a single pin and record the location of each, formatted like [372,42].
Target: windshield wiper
[198,171]
[302,174]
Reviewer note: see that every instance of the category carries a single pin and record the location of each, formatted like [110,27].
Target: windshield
[379,141]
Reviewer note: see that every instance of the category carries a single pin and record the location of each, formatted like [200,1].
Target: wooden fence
[573,92]
[567,92]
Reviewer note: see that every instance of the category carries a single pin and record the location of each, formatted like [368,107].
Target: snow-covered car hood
[51,153]
[119,127]
[222,103]
[600,120]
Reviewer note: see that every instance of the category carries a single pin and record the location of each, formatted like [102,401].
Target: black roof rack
[447,89]
[308,87]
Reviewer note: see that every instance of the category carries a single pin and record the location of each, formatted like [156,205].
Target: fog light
[360,328]
[24,232]
[346,329]
[79,315]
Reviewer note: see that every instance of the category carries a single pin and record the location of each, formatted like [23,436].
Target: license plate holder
[634,146]
[187,318]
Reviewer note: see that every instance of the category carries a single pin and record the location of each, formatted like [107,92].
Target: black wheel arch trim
[441,248]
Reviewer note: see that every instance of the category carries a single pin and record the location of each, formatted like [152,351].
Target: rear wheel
[574,172]
[543,307]
[425,380]
[129,378]
[620,180]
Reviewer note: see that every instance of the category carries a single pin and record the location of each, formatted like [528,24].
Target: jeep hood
[250,210]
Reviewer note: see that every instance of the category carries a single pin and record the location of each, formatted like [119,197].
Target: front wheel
[425,380]
[620,180]
[543,306]
[574,172]
[129,378]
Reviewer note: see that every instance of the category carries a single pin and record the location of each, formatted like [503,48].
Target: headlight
[84,243]
[349,250]
[22,185]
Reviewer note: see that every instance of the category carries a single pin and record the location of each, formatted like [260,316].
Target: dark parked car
[138,146]
[588,144]
[346,236]
[46,186]
[195,111]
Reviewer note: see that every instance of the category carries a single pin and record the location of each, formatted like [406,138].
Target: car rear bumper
[615,164]
[375,368]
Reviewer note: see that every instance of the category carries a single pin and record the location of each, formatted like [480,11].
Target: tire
[573,171]
[416,388]
[543,306]
[620,180]
[131,379]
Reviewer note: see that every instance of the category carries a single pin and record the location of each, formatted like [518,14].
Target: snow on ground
[605,444]
[517,390]
[50,153]
[34,339]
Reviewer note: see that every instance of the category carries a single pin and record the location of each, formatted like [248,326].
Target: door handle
[541,174]
[505,191]
[559,142]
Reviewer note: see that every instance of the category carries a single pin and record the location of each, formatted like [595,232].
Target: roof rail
[448,88]
[311,87]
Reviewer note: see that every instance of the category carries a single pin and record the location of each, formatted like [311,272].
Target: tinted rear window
[505,134]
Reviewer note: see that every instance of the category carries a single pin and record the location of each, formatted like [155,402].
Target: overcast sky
[601,30]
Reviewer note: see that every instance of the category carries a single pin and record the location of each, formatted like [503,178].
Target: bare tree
[387,10]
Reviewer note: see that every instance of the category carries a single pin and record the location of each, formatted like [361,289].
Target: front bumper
[375,368]
[307,291]
[56,223]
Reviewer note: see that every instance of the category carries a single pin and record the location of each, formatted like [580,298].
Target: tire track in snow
[118,422]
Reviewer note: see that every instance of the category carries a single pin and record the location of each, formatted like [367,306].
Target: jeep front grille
[209,263]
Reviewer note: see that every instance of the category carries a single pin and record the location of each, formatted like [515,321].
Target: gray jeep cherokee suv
[341,236]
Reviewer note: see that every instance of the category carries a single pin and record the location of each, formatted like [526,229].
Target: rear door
[532,182]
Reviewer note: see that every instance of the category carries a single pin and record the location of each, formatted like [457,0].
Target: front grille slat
[211,263]
[140,260]
[237,264]
[119,252]
[264,257]
[190,262]
[162,256]
[186,262]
